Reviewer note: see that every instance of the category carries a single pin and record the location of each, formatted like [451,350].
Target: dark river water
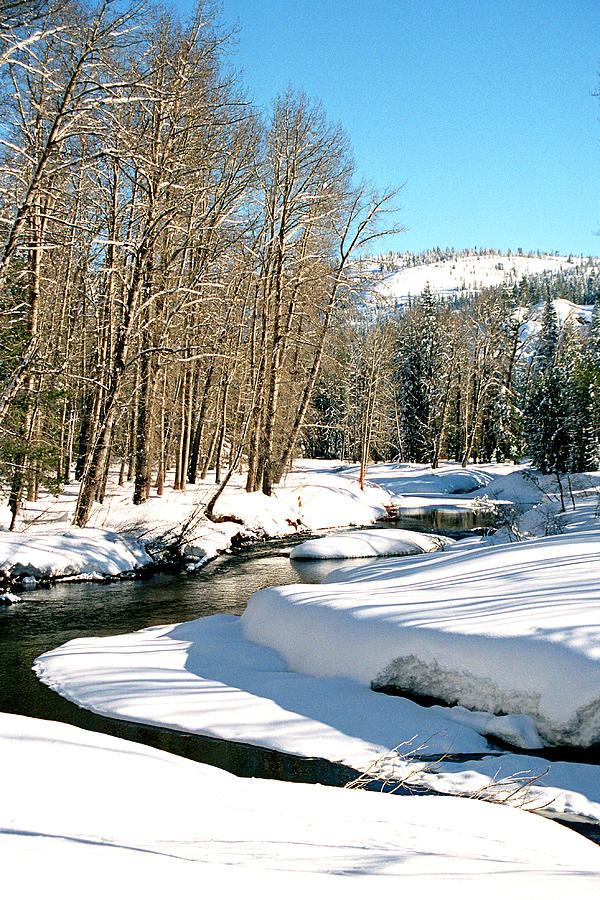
[49,617]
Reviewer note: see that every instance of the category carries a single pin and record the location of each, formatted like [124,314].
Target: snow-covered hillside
[568,315]
[465,273]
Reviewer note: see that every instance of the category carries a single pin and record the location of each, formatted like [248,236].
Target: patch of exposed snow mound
[516,487]
[68,552]
[413,479]
[374,542]
[341,503]
[512,629]
[140,821]
[261,516]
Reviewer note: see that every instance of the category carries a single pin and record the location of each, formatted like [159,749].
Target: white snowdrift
[509,629]
[373,542]
[131,819]
[205,677]
[420,480]
[67,552]
[314,495]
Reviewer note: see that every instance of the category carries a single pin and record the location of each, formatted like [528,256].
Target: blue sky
[484,110]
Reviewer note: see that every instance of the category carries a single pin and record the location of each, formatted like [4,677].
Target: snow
[125,817]
[61,552]
[512,628]
[422,481]
[315,495]
[205,677]
[567,314]
[369,542]
[467,272]
[506,632]
[509,633]
[122,537]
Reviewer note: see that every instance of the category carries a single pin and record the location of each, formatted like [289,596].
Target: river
[50,616]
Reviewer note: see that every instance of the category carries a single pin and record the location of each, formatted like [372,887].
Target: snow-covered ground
[467,273]
[84,813]
[508,632]
[314,495]
[513,629]
[309,693]
[60,552]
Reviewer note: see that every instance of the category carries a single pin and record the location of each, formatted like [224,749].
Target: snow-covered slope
[508,629]
[465,273]
[569,315]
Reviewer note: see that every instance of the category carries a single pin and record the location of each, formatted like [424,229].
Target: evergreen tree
[547,412]
[548,433]
[582,397]
[418,374]
[548,342]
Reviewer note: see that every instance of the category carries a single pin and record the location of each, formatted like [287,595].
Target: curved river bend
[49,617]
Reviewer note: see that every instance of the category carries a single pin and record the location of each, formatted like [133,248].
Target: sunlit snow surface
[466,272]
[508,633]
[511,631]
[83,814]
[62,552]
[369,542]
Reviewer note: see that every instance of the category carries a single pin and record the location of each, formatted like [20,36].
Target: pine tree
[582,398]
[548,432]
[419,354]
[548,342]
[547,412]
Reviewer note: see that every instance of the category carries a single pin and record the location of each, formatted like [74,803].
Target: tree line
[484,379]
[171,258]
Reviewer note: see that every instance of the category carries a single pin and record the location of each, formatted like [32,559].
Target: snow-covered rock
[370,542]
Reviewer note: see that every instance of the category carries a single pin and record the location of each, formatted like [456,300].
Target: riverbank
[123,538]
[511,633]
[224,683]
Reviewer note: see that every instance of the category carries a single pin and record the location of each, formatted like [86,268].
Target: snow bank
[511,629]
[205,677]
[58,553]
[376,542]
[314,495]
[136,819]
[421,480]
[336,505]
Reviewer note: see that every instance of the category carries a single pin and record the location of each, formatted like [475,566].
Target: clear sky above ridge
[484,110]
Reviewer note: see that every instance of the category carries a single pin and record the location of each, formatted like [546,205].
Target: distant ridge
[395,277]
